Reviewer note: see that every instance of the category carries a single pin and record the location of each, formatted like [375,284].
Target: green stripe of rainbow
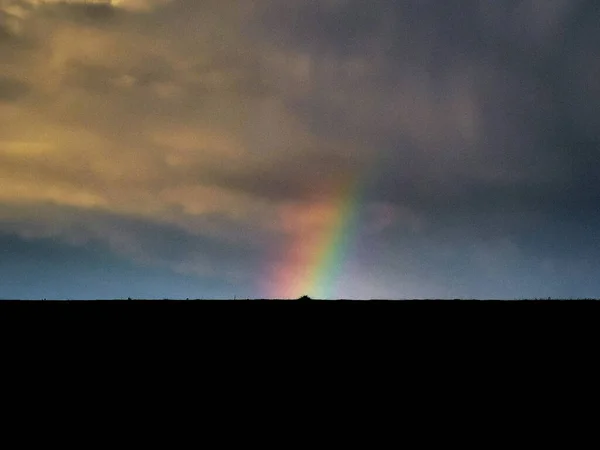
[324,232]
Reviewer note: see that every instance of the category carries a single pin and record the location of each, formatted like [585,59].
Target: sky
[273,149]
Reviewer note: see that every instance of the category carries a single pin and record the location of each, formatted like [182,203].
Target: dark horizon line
[301,300]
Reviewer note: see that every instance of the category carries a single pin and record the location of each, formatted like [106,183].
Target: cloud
[11,89]
[216,119]
[135,5]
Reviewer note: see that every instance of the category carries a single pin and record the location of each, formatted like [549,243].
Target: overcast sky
[196,148]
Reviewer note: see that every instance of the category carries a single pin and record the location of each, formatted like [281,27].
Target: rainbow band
[333,246]
[315,259]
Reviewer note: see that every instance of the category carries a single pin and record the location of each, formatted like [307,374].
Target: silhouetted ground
[301,300]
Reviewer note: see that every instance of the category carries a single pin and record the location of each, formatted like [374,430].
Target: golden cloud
[121,120]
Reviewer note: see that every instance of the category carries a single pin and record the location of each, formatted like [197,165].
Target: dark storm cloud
[15,43]
[88,13]
[529,68]
[576,62]
[5,33]
[12,90]
[100,78]
[93,77]
[295,175]
[481,118]
[217,255]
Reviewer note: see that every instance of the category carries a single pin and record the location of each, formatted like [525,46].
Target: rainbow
[322,233]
